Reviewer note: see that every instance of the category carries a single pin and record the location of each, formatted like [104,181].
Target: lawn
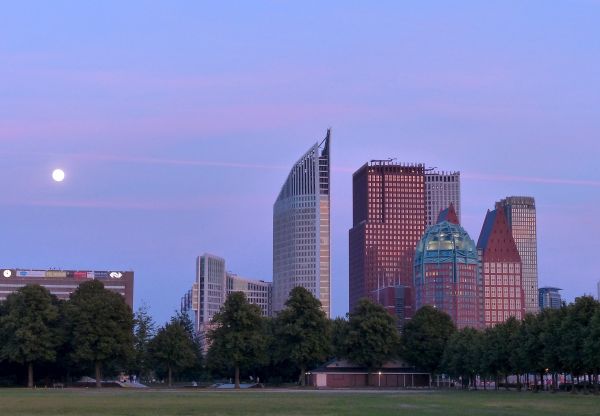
[91,402]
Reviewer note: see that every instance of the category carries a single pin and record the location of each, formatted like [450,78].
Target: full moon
[58,175]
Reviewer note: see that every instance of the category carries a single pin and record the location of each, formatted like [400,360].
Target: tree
[462,355]
[592,347]
[302,331]
[574,328]
[237,338]
[172,348]
[425,337]
[373,338]
[29,328]
[195,371]
[101,326]
[144,329]
[339,334]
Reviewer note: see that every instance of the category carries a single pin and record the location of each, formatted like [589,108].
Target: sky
[177,123]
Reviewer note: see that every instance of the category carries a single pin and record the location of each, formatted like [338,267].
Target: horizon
[176,126]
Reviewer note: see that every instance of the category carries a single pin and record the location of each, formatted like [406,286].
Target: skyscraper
[441,190]
[210,290]
[521,214]
[447,272]
[301,229]
[501,270]
[388,221]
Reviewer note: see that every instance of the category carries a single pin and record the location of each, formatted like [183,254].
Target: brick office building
[501,270]
[388,221]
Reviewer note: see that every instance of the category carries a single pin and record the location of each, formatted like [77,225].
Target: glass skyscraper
[301,229]
[521,214]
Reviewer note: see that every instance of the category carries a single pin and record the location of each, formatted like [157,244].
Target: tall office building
[441,190]
[501,270]
[447,272]
[549,298]
[211,288]
[301,229]
[521,214]
[388,204]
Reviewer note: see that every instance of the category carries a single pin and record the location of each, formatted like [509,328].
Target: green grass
[91,402]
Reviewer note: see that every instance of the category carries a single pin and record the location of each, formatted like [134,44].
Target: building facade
[501,270]
[521,214]
[301,229]
[398,301]
[210,290]
[388,204]
[258,292]
[446,272]
[441,190]
[62,283]
[549,298]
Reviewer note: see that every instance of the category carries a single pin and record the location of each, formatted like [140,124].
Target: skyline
[156,114]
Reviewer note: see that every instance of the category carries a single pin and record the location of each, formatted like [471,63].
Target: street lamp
[380,379]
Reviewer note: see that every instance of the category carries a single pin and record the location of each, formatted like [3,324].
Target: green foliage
[144,330]
[238,335]
[101,326]
[372,336]
[574,328]
[339,334]
[425,337]
[173,349]
[29,327]
[462,354]
[302,331]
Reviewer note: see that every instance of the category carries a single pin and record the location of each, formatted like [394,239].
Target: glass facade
[446,274]
[521,214]
[301,229]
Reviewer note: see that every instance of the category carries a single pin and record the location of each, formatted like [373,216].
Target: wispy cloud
[530,179]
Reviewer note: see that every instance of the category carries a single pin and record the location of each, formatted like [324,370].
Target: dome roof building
[446,272]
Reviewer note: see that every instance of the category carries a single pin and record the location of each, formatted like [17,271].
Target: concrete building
[446,272]
[388,209]
[211,288]
[301,229]
[441,190]
[62,283]
[521,214]
[501,269]
[258,292]
[549,297]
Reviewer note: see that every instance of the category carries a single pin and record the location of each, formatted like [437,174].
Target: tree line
[95,332]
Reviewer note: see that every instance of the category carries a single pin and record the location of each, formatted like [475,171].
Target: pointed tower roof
[496,239]
[448,214]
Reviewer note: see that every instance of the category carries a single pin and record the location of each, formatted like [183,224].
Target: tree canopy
[101,326]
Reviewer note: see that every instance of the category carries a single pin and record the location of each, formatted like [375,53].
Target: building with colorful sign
[61,283]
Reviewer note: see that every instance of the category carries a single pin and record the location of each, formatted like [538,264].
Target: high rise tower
[388,222]
[301,229]
[441,190]
[521,215]
[447,272]
[501,270]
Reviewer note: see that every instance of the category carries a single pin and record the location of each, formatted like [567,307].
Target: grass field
[276,402]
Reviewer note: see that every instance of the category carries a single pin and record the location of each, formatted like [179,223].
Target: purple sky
[177,124]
